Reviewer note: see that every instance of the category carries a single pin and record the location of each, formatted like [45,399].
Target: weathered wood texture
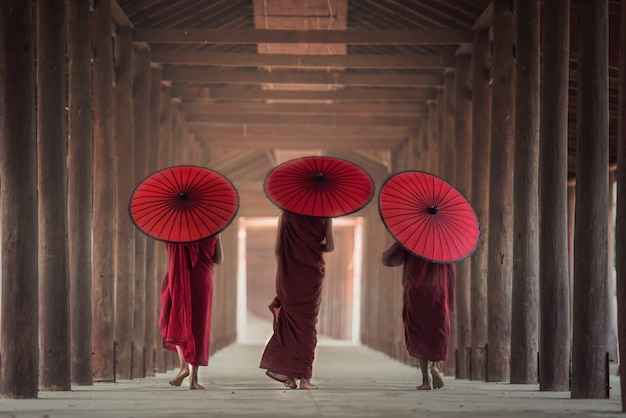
[54,304]
[103,273]
[79,188]
[554,293]
[620,227]
[481,134]
[525,290]
[19,339]
[501,193]
[463,181]
[124,229]
[590,233]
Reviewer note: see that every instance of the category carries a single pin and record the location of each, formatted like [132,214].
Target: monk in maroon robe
[428,299]
[186,299]
[300,245]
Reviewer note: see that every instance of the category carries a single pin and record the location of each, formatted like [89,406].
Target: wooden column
[79,188]
[103,273]
[620,221]
[554,337]
[463,181]
[590,233]
[54,327]
[501,193]
[141,134]
[153,275]
[525,291]
[434,145]
[125,230]
[19,339]
[448,170]
[481,123]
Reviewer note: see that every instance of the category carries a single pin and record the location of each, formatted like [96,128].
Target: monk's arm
[329,240]
[218,257]
[393,256]
[278,241]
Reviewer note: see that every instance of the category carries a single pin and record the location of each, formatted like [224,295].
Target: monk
[428,299]
[300,245]
[186,298]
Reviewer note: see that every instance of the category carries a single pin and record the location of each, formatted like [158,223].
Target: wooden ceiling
[350,78]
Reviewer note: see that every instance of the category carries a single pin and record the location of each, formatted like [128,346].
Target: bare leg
[427,379]
[193,380]
[306,384]
[184,369]
[437,378]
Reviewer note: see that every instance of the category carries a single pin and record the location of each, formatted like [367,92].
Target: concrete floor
[354,381]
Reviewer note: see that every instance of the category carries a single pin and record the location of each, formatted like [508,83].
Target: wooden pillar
[611,286]
[19,339]
[103,273]
[125,230]
[463,181]
[448,170]
[79,188]
[590,234]
[153,275]
[481,112]
[525,290]
[432,158]
[620,221]
[440,135]
[501,193]
[141,133]
[554,337]
[54,328]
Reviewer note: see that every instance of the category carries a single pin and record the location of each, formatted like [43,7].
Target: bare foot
[306,384]
[437,379]
[425,386]
[195,385]
[291,383]
[178,380]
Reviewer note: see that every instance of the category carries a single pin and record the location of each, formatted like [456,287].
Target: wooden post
[463,181]
[103,274]
[79,188]
[501,193]
[554,337]
[481,112]
[525,291]
[54,304]
[153,274]
[125,230]
[620,221]
[432,157]
[141,111]
[590,233]
[19,337]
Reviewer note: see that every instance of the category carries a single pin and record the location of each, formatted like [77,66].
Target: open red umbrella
[183,204]
[429,217]
[319,186]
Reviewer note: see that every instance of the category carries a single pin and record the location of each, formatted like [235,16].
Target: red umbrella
[319,186]
[429,217]
[183,204]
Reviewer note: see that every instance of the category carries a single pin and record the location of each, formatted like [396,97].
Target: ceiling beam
[300,131]
[199,119]
[289,77]
[343,143]
[302,61]
[337,36]
[306,108]
[185,91]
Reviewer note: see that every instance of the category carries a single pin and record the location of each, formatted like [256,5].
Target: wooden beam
[339,95]
[306,108]
[328,120]
[286,77]
[302,61]
[302,142]
[352,36]
[301,130]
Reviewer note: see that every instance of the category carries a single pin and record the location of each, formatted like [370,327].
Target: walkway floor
[354,381]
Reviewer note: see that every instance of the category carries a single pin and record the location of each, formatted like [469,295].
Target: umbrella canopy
[429,217]
[319,186]
[183,204]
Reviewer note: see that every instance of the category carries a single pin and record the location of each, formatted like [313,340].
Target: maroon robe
[428,299]
[186,299]
[299,277]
